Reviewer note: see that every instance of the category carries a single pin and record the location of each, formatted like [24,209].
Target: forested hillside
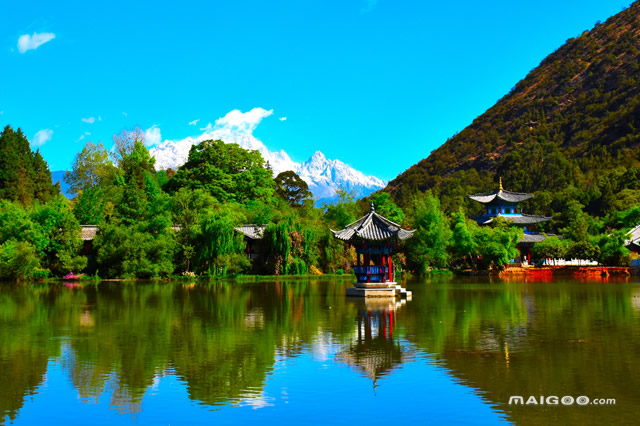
[568,131]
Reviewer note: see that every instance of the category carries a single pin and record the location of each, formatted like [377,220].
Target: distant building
[505,204]
[633,243]
[253,235]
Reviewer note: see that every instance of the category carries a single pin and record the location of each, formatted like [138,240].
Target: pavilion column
[390,269]
[384,276]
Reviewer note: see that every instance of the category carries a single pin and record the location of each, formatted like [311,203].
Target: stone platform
[388,289]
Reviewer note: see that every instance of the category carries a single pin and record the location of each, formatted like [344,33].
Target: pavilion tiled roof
[372,227]
[522,219]
[255,232]
[634,238]
[533,238]
[511,197]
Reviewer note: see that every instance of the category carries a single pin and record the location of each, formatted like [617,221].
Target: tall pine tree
[24,176]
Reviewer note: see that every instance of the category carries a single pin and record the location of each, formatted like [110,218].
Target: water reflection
[116,343]
[373,350]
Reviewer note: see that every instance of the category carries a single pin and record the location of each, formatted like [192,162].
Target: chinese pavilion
[374,237]
[504,204]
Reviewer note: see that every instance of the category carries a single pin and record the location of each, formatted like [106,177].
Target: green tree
[226,171]
[583,250]
[220,247]
[291,188]
[16,172]
[50,228]
[429,246]
[189,209]
[612,249]
[342,212]
[137,241]
[386,207]
[59,246]
[551,248]
[18,260]
[124,143]
[464,245]
[91,168]
[498,244]
[43,189]
[24,176]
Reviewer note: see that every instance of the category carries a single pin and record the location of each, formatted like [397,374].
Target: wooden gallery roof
[254,232]
[372,227]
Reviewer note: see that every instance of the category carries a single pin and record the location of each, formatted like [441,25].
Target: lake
[300,352]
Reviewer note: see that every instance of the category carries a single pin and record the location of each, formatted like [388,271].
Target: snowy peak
[325,177]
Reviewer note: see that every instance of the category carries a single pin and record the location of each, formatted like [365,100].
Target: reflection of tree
[27,339]
[373,350]
[221,338]
[541,339]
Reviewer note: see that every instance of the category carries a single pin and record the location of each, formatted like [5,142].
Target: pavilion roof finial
[501,189]
[373,209]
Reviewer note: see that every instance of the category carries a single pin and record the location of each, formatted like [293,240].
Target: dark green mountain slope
[569,130]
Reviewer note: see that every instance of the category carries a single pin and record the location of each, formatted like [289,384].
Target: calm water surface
[299,352]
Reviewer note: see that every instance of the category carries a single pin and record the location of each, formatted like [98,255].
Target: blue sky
[378,84]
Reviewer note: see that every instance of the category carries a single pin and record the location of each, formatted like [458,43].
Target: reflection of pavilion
[374,350]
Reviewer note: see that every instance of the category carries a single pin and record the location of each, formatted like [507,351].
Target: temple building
[374,238]
[633,243]
[505,204]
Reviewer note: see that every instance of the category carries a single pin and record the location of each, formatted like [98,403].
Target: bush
[18,261]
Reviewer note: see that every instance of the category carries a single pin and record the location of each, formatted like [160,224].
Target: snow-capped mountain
[323,176]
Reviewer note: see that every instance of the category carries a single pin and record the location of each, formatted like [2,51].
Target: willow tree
[220,247]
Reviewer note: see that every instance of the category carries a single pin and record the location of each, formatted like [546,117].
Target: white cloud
[282,118]
[83,136]
[235,127]
[99,118]
[89,120]
[32,42]
[152,136]
[243,121]
[42,137]
[194,122]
